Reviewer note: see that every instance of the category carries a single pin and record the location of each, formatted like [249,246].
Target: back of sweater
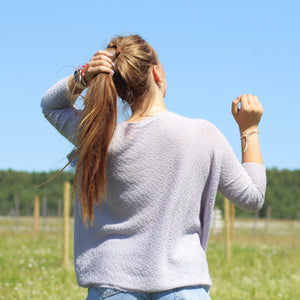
[162,177]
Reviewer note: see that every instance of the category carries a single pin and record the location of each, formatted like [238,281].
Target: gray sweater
[163,174]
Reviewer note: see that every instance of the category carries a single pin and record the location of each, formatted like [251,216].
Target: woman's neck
[156,106]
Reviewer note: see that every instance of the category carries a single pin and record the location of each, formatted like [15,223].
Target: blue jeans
[185,293]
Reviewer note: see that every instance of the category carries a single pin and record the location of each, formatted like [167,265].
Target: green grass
[262,266]
[31,266]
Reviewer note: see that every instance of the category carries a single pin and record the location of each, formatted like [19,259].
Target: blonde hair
[133,58]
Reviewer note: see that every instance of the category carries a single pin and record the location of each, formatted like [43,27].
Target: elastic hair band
[118,51]
[246,135]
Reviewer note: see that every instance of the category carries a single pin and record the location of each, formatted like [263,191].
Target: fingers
[249,102]
[103,52]
[249,113]
[101,62]
[94,64]
[103,56]
[244,102]
[92,71]
[235,106]
[250,99]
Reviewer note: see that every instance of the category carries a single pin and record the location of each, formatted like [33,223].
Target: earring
[161,84]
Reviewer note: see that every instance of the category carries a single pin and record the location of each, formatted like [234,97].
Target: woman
[146,187]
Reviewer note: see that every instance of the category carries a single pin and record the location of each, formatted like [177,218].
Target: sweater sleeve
[243,184]
[58,110]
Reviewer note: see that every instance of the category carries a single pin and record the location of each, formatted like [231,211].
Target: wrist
[245,129]
[78,82]
[74,87]
[246,137]
[79,77]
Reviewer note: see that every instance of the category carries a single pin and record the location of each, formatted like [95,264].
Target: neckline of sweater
[146,120]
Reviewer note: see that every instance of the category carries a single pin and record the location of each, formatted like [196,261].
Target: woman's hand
[101,62]
[248,116]
[249,113]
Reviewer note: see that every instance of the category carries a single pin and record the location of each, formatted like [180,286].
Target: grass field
[264,265]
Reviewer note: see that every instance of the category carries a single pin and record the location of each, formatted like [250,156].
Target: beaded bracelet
[246,135]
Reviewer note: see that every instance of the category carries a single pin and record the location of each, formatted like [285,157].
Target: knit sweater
[162,176]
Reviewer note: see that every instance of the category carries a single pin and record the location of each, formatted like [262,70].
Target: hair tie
[118,51]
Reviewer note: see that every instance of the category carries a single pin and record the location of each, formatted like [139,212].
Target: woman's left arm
[58,109]
[58,102]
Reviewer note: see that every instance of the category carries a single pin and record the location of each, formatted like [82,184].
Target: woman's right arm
[248,117]
[244,184]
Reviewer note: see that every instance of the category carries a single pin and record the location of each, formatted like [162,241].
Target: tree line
[24,186]
[283,192]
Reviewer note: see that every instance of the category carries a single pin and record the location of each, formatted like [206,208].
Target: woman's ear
[156,73]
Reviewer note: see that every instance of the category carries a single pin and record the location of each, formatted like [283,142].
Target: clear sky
[212,51]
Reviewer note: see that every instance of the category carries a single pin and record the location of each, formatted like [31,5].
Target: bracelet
[79,76]
[245,135]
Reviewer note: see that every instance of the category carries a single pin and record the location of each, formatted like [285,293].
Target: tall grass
[264,265]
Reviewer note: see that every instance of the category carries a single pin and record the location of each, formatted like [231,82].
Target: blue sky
[211,51]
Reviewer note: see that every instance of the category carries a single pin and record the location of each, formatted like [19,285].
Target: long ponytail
[97,126]
[133,58]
